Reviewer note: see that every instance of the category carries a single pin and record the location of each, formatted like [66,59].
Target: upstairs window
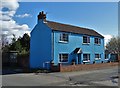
[64,37]
[86,57]
[86,39]
[97,41]
[63,57]
[97,56]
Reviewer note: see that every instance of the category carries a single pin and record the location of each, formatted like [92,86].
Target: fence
[23,61]
[11,59]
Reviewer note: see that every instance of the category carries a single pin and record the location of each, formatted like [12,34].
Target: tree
[4,43]
[113,46]
[25,41]
[4,40]
[13,44]
[21,44]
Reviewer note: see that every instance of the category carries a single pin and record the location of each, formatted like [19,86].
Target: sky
[21,17]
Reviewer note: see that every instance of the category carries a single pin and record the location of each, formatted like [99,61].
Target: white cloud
[24,15]
[12,6]
[107,38]
[9,25]
[5,18]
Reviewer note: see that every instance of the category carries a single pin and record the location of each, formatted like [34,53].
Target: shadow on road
[13,71]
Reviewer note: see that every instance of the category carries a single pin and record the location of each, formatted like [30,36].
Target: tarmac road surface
[101,77]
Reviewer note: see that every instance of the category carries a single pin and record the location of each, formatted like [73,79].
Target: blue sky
[100,16]
[21,17]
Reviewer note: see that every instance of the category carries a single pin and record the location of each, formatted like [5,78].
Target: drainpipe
[52,46]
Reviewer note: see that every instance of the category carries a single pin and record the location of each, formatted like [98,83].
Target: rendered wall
[76,41]
[40,46]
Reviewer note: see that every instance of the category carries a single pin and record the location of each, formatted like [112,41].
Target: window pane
[88,39]
[97,41]
[97,55]
[84,39]
[60,37]
[86,57]
[64,37]
[63,57]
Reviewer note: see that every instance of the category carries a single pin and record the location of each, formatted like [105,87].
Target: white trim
[79,51]
[97,58]
[85,43]
[63,42]
[107,59]
[87,61]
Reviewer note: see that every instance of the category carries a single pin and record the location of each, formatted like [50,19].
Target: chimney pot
[41,15]
[42,12]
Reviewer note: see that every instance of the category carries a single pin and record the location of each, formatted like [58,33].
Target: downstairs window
[97,56]
[63,57]
[86,57]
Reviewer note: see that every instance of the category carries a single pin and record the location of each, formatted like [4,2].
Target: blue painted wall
[40,46]
[45,46]
[75,41]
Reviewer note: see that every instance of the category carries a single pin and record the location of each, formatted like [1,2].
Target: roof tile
[72,29]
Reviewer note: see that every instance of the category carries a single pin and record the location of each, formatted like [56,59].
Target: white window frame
[88,39]
[98,41]
[64,37]
[61,57]
[88,57]
[99,56]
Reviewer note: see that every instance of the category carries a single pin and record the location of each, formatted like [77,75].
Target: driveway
[103,77]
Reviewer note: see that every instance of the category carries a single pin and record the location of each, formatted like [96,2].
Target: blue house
[53,42]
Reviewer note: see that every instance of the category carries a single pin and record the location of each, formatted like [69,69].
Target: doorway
[79,58]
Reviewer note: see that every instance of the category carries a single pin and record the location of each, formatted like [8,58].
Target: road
[103,77]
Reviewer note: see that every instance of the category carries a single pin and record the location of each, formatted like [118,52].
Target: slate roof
[72,29]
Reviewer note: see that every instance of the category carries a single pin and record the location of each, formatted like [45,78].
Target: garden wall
[86,66]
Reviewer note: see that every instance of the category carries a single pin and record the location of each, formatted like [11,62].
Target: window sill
[106,59]
[63,42]
[87,61]
[86,43]
[97,58]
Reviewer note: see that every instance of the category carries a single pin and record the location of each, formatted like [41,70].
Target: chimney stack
[42,16]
